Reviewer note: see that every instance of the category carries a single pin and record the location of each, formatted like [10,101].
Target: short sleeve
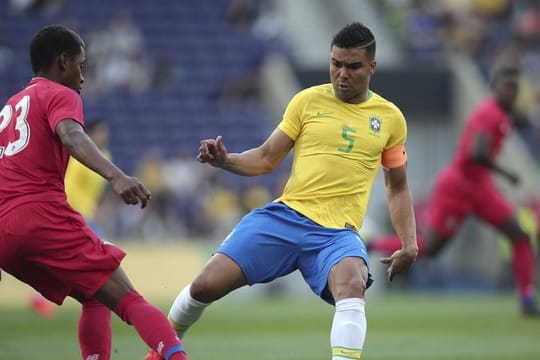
[291,124]
[64,104]
[398,131]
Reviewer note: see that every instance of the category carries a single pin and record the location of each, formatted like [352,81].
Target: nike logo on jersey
[322,113]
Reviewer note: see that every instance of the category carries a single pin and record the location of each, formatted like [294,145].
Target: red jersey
[33,160]
[490,118]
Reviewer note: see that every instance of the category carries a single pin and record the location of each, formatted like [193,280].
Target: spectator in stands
[118,56]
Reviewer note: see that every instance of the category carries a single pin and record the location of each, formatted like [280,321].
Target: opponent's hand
[400,260]
[213,152]
[131,190]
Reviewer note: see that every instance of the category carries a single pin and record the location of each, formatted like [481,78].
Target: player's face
[350,73]
[73,76]
[506,91]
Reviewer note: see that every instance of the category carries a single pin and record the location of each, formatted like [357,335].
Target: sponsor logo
[160,347]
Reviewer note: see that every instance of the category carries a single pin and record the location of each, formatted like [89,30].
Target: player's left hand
[400,260]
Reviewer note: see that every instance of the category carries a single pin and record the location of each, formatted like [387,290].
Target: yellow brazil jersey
[84,187]
[337,153]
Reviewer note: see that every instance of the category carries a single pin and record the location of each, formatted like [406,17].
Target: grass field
[405,327]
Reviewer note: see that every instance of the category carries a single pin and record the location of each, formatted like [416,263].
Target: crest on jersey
[375,123]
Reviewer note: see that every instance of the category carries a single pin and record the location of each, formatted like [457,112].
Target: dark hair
[50,42]
[355,35]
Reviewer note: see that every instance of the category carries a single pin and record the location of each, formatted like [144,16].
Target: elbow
[70,140]
[480,158]
[266,168]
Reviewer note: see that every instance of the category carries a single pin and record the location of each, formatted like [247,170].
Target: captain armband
[394,157]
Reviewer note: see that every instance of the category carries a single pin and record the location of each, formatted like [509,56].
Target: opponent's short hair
[50,42]
[355,35]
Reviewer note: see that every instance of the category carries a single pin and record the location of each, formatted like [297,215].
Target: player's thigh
[493,208]
[57,253]
[264,244]
[448,208]
[323,252]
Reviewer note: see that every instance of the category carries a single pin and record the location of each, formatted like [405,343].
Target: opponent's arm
[252,162]
[400,206]
[480,154]
[82,148]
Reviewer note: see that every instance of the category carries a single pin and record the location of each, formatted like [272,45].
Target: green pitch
[404,327]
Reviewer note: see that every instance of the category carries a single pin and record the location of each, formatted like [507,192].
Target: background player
[43,241]
[466,187]
[339,132]
[84,187]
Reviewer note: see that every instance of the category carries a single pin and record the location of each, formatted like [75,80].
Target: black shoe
[530,310]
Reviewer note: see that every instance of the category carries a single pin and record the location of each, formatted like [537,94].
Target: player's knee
[351,288]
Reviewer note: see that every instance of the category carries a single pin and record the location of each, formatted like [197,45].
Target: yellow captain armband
[394,157]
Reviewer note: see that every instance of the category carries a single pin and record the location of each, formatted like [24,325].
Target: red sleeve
[64,104]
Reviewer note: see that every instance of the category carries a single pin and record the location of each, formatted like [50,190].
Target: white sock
[348,329]
[185,311]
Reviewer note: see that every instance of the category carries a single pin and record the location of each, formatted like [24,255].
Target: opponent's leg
[434,242]
[522,264]
[347,284]
[151,324]
[390,243]
[218,278]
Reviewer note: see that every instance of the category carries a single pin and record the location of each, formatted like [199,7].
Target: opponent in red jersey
[43,241]
[466,188]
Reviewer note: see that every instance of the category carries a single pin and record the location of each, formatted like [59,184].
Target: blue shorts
[275,240]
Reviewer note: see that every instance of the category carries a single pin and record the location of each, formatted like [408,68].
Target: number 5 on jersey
[347,136]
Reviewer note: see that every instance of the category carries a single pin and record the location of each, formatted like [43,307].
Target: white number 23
[21,125]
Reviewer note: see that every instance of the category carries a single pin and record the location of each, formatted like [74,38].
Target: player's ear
[372,67]
[62,61]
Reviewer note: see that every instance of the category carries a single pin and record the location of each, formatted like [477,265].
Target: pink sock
[95,330]
[523,265]
[152,326]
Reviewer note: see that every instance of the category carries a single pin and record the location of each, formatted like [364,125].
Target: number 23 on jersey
[22,135]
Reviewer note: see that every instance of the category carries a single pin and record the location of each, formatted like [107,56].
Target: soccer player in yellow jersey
[85,188]
[340,134]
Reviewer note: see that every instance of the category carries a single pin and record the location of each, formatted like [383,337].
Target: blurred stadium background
[166,74]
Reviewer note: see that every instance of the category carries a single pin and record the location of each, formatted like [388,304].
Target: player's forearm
[88,154]
[400,206]
[248,163]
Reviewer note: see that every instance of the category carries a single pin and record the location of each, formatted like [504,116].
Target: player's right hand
[213,152]
[131,190]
